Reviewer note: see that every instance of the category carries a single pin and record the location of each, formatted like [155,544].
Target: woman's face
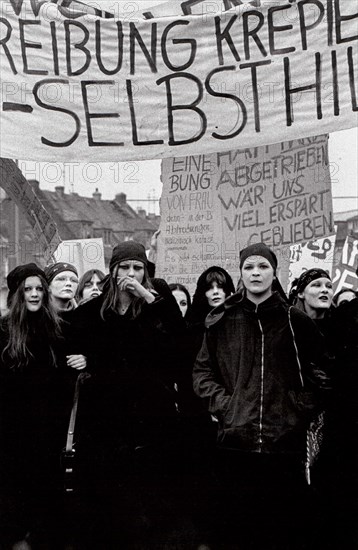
[91,290]
[317,295]
[182,300]
[33,292]
[215,295]
[257,275]
[131,268]
[64,285]
[345,296]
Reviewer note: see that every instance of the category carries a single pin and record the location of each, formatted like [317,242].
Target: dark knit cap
[54,269]
[308,276]
[19,274]
[258,249]
[128,250]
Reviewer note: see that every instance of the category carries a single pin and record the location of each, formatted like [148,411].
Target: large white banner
[214,205]
[91,88]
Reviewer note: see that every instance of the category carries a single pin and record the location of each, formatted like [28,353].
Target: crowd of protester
[225,420]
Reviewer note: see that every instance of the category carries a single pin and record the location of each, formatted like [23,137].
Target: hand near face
[131,285]
[130,275]
[77,362]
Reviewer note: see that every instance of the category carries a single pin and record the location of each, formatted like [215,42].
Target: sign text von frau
[104,89]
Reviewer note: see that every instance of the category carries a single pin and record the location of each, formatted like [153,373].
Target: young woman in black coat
[260,371]
[212,288]
[336,471]
[129,336]
[33,411]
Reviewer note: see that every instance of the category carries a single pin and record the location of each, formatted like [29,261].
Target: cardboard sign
[214,205]
[22,192]
[96,89]
[305,256]
[344,275]
[84,254]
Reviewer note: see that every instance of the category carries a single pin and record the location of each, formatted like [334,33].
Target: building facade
[76,217]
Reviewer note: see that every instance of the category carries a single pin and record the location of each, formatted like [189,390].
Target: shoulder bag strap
[295,346]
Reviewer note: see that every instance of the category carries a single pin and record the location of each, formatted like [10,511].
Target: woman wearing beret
[312,293]
[260,371]
[129,335]
[33,425]
[336,470]
[62,279]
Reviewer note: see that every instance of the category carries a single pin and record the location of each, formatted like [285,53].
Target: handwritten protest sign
[213,205]
[101,89]
[344,275]
[319,253]
[21,191]
[85,254]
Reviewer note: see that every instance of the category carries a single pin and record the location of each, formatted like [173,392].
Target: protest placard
[85,254]
[214,205]
[99,89]
[319,253]
[345,273]
[21,191]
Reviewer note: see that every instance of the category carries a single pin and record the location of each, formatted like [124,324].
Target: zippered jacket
[262,371]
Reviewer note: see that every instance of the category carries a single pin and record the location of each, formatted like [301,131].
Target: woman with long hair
[259,371]
[129,339]
[182,297]
[212,288]
[89,285]
[32,408]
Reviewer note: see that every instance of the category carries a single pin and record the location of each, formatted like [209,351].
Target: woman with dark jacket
[336,472]
[128,335]
[33,409]
[213,286]
[312,293]
[260,371]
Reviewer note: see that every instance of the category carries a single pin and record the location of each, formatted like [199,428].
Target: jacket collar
[239,300]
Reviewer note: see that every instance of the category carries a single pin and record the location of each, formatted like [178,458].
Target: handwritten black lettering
[85,84]
[29,45]
[56,109]
[176,41]
[3,42]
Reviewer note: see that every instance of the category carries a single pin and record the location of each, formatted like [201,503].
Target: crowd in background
[223,420]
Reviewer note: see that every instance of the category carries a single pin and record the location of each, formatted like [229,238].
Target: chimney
[141,213]
[121,198]
[97,195]
[60,191]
